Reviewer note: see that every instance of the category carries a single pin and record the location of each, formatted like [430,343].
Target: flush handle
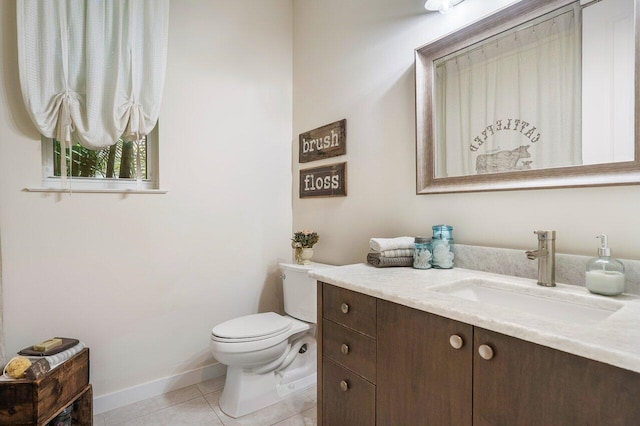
[485,351]
[344,386]
[344,308]
[456,341]
[344,349]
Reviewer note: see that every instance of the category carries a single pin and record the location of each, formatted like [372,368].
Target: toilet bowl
[270,356]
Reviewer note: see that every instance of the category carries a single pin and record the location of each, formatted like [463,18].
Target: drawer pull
[344,386]
[344,348]
[344,308]
[485,351]
[456,341]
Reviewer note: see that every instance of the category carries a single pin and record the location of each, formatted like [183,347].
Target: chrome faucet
[546,255]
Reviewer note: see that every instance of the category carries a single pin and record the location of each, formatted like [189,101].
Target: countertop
[614,340]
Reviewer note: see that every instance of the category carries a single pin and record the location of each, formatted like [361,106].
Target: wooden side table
[37,402]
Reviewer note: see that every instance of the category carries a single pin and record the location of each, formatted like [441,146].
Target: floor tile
[98,420]
[211,385]
[311,393]
[306,418]
[194,412]
[267,416]
[151,405]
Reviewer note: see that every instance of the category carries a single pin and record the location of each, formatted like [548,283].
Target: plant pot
[304,255]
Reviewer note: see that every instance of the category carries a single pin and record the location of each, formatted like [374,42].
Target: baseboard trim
[157,387]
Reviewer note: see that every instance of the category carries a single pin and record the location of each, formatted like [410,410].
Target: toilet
[270,356]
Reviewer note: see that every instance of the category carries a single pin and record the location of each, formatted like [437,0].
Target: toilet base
[245,392]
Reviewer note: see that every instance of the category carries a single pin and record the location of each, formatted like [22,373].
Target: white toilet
[270,356]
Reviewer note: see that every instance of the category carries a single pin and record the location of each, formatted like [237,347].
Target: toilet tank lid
[255,325]
[309,267]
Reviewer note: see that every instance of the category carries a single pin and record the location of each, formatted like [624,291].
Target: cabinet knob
[344,386]
[456,341]
[344,308]
[485,351]
[344,348]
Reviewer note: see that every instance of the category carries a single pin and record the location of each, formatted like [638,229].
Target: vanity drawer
[350,349]
[351,309]
[347,399]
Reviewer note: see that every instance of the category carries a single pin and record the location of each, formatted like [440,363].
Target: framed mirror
[541,94]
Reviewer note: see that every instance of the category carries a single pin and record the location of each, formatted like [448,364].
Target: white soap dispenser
[605,275]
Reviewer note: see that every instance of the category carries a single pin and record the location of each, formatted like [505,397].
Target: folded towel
[395,253]
[59,358]
[383,262]
[384,244]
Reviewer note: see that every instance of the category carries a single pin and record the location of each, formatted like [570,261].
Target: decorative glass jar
[422,253]
[442,247]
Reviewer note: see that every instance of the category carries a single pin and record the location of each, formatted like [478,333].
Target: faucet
[546,255]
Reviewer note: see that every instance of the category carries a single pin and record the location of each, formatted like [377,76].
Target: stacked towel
[59,358]
[384,244]
[383,262]
[395,253]
[385,252]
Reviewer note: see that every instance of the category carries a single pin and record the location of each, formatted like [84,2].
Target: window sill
[97,190]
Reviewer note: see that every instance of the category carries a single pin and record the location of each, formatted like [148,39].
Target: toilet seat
[273,322]
[250,328]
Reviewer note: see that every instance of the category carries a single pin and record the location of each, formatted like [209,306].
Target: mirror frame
[621,173]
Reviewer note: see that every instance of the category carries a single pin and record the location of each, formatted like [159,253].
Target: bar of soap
[47,344]
[38,369]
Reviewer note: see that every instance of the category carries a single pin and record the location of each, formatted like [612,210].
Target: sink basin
[545,302]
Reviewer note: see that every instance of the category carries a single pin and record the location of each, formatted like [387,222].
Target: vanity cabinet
[431,370]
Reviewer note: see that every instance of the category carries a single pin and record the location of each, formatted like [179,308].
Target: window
[113,167]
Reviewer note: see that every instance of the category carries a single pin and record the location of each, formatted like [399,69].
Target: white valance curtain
[93,67]
[513,103]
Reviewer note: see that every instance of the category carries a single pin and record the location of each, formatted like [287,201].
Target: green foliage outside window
[116,161]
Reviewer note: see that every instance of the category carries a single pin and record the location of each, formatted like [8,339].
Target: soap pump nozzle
[604,249]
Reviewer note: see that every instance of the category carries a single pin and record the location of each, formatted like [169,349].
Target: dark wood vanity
[383,363]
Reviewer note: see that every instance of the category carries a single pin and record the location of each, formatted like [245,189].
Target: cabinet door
[347,399]
[524,383]
[422,378]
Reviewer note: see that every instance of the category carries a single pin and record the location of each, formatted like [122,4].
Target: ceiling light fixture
[442,6]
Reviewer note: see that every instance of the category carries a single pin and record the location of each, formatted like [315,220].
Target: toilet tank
[299,289]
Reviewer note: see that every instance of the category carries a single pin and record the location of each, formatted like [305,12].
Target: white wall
[354,60]
[141,279]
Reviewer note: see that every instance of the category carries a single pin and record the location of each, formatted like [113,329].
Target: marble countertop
[614,340]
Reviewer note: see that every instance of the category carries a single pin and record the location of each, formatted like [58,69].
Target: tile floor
[198,405]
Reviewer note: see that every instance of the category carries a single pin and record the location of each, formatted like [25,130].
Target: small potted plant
[303,242]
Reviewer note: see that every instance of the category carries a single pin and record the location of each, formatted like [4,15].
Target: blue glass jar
[442,247]
[422,253]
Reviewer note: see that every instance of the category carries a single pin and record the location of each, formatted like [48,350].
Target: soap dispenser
[605,275]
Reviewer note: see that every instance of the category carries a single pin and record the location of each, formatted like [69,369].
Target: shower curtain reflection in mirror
[503,106]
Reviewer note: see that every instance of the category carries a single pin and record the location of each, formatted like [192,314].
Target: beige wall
[354,60]
[141,279]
